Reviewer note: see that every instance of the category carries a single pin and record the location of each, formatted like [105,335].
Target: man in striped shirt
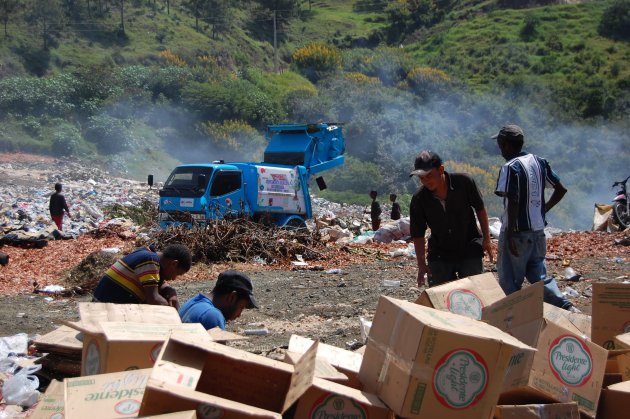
[522,242]
[140,277]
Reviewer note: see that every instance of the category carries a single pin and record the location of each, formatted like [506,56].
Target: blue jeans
[530,263]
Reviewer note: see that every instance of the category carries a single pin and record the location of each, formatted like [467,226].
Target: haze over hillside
[157,82]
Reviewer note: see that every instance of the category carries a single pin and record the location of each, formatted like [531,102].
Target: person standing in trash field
[232,293]
[57,206]
[375,211]
[522,242]
[395,213]
[140,277]
[447,203]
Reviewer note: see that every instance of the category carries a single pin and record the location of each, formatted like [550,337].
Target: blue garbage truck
[276,189]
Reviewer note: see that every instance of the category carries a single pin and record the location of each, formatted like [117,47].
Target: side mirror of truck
[150,180]
[321,184]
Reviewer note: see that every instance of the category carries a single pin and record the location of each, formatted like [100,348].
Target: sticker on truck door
[186,202]
[280,188]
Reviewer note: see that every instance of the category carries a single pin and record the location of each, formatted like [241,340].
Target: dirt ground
[311,303]
[318,304]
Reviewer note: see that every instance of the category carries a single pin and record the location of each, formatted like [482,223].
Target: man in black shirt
[395,213]
[57,206]
[446,203]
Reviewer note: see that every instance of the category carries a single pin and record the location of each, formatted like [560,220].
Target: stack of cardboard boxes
[463,350]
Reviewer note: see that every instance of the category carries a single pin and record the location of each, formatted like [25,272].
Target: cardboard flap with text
[466,296]
[519,314]
[92,314]
[611,313]
[51,403]
[225,372]
[579,323]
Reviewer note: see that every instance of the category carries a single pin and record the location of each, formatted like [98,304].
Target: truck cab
[276,188]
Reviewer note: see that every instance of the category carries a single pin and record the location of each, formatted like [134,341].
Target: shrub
[315,60]
[65,140]
[234,135]
[615,21]
[425,81]
[109,134]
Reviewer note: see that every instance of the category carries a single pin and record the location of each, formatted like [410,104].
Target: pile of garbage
[89,192]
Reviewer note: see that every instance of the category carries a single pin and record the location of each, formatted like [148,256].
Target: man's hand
[170,295]
[153,297]
[423,271]
[487,247]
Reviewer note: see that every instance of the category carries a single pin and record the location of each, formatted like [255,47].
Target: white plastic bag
[21,389]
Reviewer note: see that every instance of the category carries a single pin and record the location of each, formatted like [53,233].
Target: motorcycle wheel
[620,213]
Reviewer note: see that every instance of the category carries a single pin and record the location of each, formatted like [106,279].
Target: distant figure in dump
[232,293]
[57,206]
[522,242]
[447,203]
[395,214]
[375,211]
[140,277]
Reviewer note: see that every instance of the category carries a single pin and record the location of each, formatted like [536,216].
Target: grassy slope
[486,46]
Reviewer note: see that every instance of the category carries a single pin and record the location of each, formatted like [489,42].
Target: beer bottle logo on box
[464,302]
[333,406]
[570,360]
[460,378]
[127,407]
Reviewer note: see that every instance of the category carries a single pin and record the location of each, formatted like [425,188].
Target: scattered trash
[618,259]
[111,250]
[51,289]
[571,292]
[623,242]
[353,345]
[21,389]
[334,271]
[391,283]
[16,344]
[259,260]
[571,275]
[365,328]
[256,332]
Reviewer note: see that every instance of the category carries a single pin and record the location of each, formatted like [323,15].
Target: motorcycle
[621,205]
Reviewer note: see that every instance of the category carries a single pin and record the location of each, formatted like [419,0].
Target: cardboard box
[51,405]
[579,322]
[196,370]
[105,396]
[323,368]
[120,346]
[92,314]
[425,363]
[325,399]
[520,315]
[189,414]
[538,411]
[545,376]
[623,363]
[615,401]
[622,341]
[466,296]
[611,313]
[347,362]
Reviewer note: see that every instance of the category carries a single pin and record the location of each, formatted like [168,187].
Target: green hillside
[157,82]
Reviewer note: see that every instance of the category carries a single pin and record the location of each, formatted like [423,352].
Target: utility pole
[275,44]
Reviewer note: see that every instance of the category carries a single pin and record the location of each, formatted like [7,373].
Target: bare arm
[558,193]
[419,245]
[512,212]
[482,215]
[152,296]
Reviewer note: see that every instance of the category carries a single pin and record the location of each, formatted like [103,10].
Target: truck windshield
[187,181]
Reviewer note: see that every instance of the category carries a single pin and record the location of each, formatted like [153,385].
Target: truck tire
[295,224]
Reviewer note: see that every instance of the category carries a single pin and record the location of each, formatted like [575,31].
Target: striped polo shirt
[138,269]
[525,177]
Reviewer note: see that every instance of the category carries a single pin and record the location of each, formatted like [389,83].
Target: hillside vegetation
[140,85]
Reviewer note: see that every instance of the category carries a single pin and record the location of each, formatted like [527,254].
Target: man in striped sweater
[522,242]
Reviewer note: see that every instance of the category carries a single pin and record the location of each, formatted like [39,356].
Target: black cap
[510,132]
[425,162]
[232,280]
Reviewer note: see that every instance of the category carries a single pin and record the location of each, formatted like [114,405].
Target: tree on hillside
[7,9]
[219,15]
[195,7]
[48,17]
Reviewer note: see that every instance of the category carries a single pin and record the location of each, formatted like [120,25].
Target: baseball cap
[425,162]
[510,132]
[233,280]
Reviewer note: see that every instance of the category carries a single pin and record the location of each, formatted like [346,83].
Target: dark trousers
[445,271]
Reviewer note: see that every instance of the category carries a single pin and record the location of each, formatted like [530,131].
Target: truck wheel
[295,224]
